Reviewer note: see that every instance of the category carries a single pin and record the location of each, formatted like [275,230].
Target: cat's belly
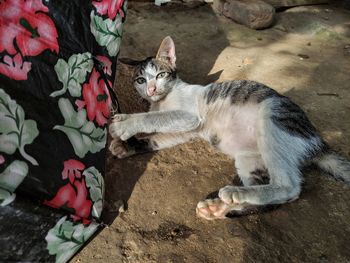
[234,131]
[238,143]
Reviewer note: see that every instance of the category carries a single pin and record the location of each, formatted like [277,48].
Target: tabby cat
[268,135]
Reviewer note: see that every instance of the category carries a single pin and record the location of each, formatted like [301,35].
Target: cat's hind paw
[211,209]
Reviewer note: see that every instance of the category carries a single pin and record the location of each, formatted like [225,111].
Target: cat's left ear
[166,51]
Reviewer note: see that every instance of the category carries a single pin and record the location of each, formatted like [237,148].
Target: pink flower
[110,7]
[40,34]
[14,67]
[74,194]
[96,99]
[25,28]
[27,23]
[72,169]
[2,159]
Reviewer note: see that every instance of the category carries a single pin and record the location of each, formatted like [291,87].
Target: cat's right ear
[129,61]
[166,51]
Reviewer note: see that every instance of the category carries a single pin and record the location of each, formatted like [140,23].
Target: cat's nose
[151,91]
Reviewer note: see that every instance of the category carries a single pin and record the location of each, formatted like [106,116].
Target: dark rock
[289,3]
[255,14]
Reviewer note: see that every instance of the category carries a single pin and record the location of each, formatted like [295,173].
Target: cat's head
[154,77]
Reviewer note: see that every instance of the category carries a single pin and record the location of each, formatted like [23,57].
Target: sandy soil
[305,55]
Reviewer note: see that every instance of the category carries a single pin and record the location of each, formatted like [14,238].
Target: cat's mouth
[155,93]
[151,94]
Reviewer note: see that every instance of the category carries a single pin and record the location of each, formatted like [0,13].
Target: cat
[267,135]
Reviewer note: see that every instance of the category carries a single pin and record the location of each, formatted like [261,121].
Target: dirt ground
[306,56]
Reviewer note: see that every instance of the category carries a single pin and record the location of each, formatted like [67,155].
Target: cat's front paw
[122,127]
[119,149]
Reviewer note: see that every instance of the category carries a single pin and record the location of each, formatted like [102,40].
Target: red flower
[72,169]
[74,194]
[25,29]
[25,22]
[96,99]
[110,7]
[14,67]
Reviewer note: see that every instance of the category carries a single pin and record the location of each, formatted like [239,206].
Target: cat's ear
[129,61]
[166,51]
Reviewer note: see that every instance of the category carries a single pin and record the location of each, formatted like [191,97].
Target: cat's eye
[140,80]
[162,75]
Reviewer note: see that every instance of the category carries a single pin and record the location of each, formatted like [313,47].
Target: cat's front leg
[126,125]
[119,149]
[142,143]
[123,149]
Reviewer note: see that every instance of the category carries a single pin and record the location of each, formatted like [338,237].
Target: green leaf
[83,134]
[107,32]
[10,179]
[6,197]
[66,238]
[73,73]
[8,143]
[95,183]
[15,131]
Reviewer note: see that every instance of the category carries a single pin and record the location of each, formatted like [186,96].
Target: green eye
[140,80]
[162,75]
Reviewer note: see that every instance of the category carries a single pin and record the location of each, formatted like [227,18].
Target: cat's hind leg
[286,140]
[251,171]
[284,186]
[284,144]
[251,168]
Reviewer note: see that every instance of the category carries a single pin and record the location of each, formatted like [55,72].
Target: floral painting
[57,64]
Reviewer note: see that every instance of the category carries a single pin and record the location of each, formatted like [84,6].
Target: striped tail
[335,165]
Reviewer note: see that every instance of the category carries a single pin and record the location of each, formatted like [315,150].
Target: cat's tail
[335,165]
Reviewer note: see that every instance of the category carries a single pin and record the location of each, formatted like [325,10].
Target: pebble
[98,256]
[121,209]
[303,56]
[281,28]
